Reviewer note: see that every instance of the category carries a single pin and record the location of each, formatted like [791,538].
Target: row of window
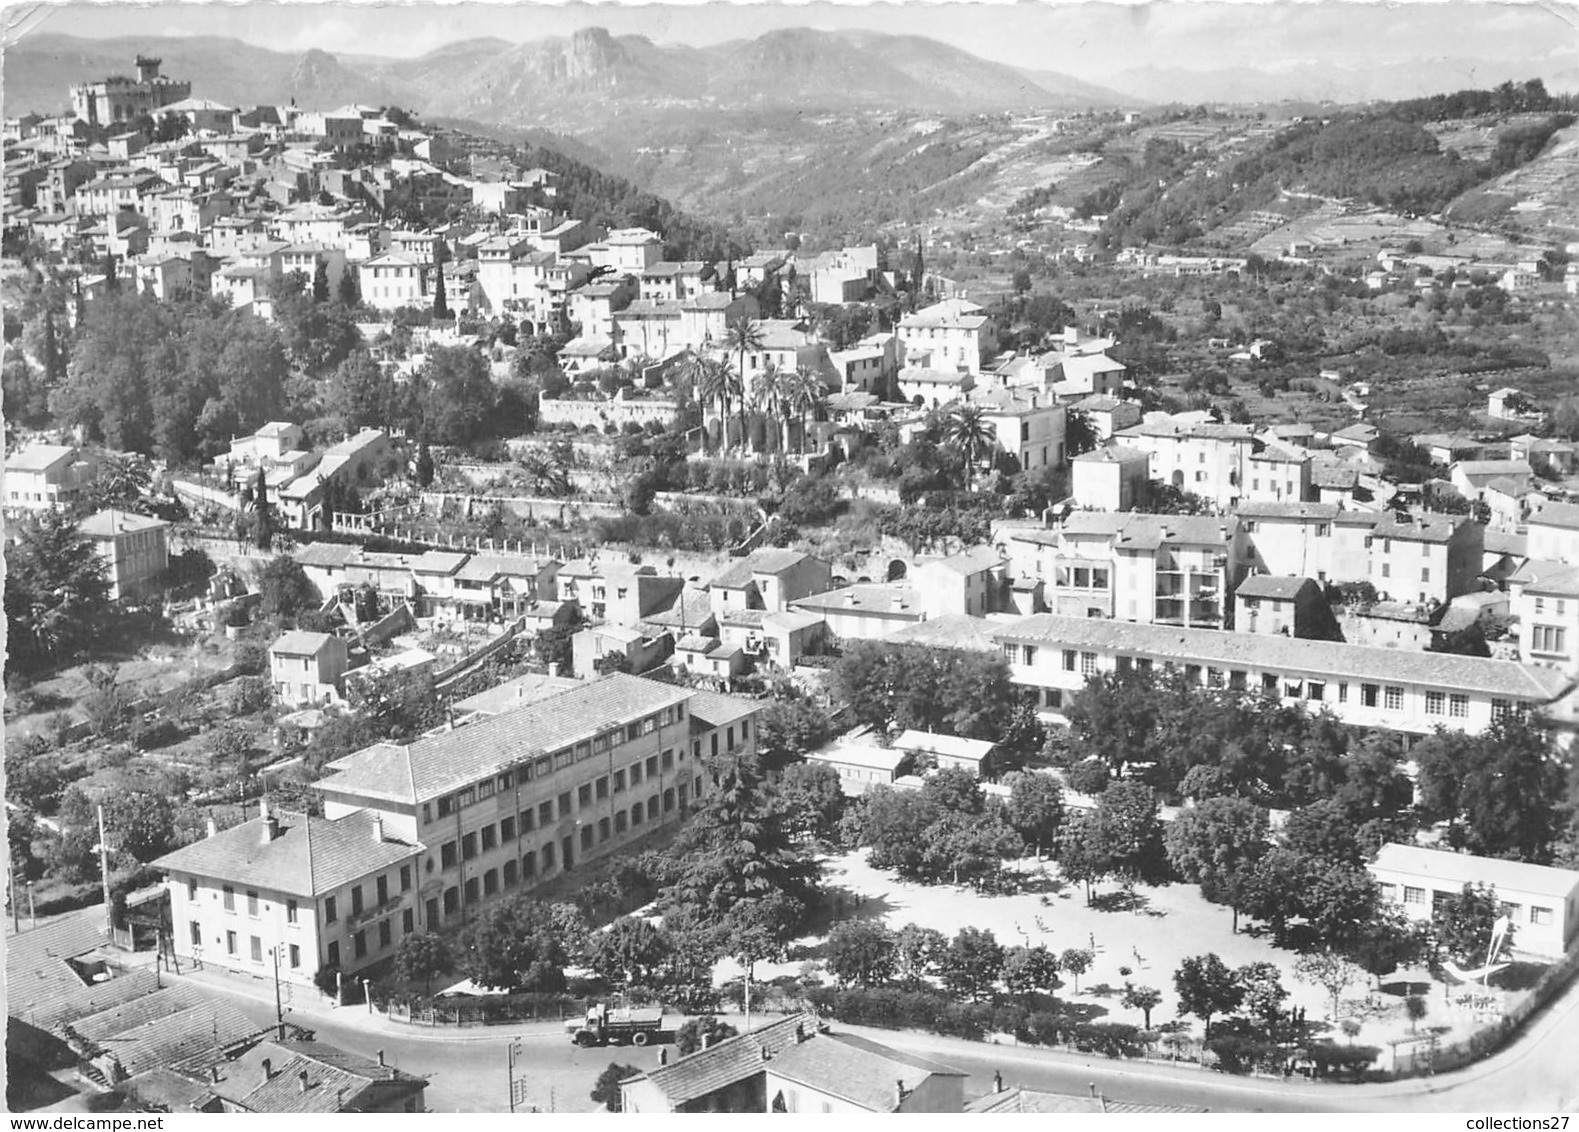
[331,912]
[545,765]
[1389,697]
[1539,916]
[1425,572]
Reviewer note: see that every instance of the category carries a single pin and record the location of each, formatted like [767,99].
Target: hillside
[1387,158]
[547,82]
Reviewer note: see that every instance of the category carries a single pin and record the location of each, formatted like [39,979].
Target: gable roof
[1274,586]
[309,857]
[860,1071]
[768,560]
[300,642]
[727,1062]
[951,631]
[192,1038]
[1563,515]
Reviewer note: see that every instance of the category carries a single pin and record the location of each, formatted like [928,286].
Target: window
[506,829]
[584,795]
[1540,605]
[330,915]
[191,888]
[490,882]
[1387,570]
[529,865]
[1458,705]
[196,933]
[485,788]
[1435,703]
[384,933]
[652,763]
[603,829]
[564,804]
[601,787]
[586,838]
[405,878]
[230,943]
[620,822]
[252,904]
[1315,690]
[473,891]
[447,855]
[636,814]
[668,758]
[1343,693]
[1547,638]
[1395,698]
[1413,895]
[1540,916]
[1088,663]
[333,954]
[1368,694]
[619,782]
[490,838]
[1512,911]
[290,911]
[229,898]
[359,944]
[1069,660]
[356,900]
[1501,709]
[296,956]
[1425,573]
[545,814]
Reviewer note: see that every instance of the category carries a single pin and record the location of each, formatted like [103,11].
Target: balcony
[376,912]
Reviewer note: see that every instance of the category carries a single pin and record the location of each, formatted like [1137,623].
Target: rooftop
[1275,587]
[300,642]
[107,524]
[951,745]
[877,600]
[308,857]
[436,764]
[38,457]
[727,1062]
[856,1069]
[861,755]
[1563,515]
[952,631]
[1459,869]
[740,573]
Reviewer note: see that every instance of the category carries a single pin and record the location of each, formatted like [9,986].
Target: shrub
[147,736]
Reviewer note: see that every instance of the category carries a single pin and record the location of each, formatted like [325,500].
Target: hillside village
[421,572]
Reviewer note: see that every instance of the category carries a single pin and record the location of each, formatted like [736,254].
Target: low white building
[950,752]
[1541,902]
[860,767]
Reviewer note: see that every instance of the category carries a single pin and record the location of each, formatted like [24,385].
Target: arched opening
[896,570]
[1178,480]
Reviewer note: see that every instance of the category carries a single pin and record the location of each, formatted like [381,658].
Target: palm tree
[770,396]
[123,479]
[967,429]
[744,335]
[807,394]
[546,473]
[718,382]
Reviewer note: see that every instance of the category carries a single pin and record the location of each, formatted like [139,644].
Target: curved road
[468,1068]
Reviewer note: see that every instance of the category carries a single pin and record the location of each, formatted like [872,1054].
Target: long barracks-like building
[1393,689]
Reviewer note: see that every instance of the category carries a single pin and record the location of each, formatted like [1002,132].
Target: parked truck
[605,1025]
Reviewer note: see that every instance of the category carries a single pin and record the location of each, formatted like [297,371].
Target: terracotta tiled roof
[309,857]
[726,1063]
[860,1071]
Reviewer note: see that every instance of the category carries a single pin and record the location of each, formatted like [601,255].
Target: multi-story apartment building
[1546,603]
[1554,533]
[1308,540]
[1208,460]
[510,800]
[312,892]
[1278,475]
[1158,569]
[1028,424]
[1393,689]
[135,549]
[1425,559]
[394,280]
[955,333]
[46,477]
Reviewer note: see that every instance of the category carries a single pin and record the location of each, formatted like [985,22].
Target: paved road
[468,1068]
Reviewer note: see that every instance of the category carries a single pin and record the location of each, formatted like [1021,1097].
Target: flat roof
[1459,869]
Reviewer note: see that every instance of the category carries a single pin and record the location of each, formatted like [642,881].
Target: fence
[445,676]
[1483,1043]
[492,1010]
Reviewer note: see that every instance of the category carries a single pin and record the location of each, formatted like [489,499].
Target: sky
[1085,39]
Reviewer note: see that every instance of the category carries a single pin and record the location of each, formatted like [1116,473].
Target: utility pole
[279,1007]
[104,875]
[512,1051]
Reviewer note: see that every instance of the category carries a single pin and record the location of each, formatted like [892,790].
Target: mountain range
[549,81]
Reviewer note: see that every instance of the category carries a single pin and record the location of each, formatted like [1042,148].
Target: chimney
[381,1057]
[1071,336]
[213,1074]
[663,1056]
[263,808]
[271,828]
[707,1040]
[997,1081]
[301,1080]
[378,828]
[800,1032]
[268,1069]
[899,1092]
[212,828]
